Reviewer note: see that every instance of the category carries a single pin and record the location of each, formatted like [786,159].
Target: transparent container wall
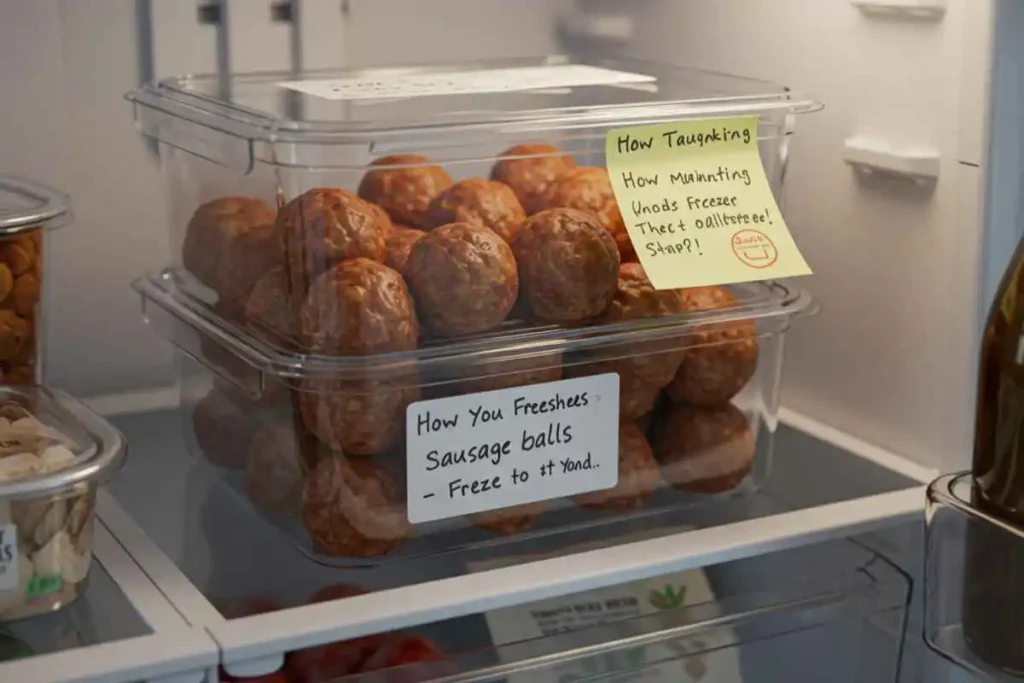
[833,612]
[27,213]
[974,612]
[255,430]
[192,181]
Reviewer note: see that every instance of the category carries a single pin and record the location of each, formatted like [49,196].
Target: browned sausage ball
[248,258]
[705,450]
[588,189]
[213,229]
[400,243]
[654,362]
[324,226]
[511,520]
[383,217]
[494,375]
[638,474]
[719,359]
[15,333]
[359,307]
[353,508]
[568,265]
[356,417]
[464,279]
[19,254]
[530,178]
[405,190]
[270,308]
[637,396]
[223,430]
[484,202]
[273,471]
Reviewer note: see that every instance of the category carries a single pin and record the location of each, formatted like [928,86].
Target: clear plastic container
[441,241]
[54,453]
[973,590]
[27,211]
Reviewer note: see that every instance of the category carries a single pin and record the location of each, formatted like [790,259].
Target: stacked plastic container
[380,276]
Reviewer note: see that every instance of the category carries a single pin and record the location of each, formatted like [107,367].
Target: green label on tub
[39,586]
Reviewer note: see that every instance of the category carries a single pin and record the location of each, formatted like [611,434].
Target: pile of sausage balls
[412,259]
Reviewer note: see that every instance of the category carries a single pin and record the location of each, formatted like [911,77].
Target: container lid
[772,305]
[35,419]
[399,109]
[25,205]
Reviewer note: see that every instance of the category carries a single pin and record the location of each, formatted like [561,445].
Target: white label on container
[8,557]
[385,84]
[496,449]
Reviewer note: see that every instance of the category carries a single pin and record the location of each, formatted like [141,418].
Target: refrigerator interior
[888,366]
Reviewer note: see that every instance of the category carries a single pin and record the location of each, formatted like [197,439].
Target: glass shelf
[206,548]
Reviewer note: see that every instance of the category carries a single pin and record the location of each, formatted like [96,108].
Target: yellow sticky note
[697,203]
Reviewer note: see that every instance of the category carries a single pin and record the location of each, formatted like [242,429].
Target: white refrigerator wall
[891,358]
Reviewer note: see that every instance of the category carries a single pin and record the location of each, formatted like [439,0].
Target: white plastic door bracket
[927,10]
[875,157]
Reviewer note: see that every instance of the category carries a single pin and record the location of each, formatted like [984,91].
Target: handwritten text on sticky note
[698,205]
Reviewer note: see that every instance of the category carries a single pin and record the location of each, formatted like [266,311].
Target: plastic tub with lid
[418,316]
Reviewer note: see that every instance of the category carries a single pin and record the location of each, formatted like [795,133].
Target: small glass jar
[27,211]
[54,454]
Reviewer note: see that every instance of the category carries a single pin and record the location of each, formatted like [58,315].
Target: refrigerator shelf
[972,583]
[120,629]
[203,546]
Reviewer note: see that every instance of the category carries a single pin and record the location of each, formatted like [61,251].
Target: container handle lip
[788,303]
[111,448]
[185,113]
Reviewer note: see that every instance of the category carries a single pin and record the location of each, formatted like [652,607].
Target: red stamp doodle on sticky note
[754,248]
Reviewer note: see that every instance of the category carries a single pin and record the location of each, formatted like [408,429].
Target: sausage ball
[399,243]
[359,307]
[246,260]
[15,334]
[568,265]
[531,178]
[511,520]
[464,279]
[324,226]
[273,470]
[705,450]
[270,307]
[654,362]
[382,217]
[589,189]
[353,508]
[484,202]
[494,375]
[356,417]
[20,254]
[223,430]
[637,396]
[404,185]
[213,229]
[719,359]
[638,474]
